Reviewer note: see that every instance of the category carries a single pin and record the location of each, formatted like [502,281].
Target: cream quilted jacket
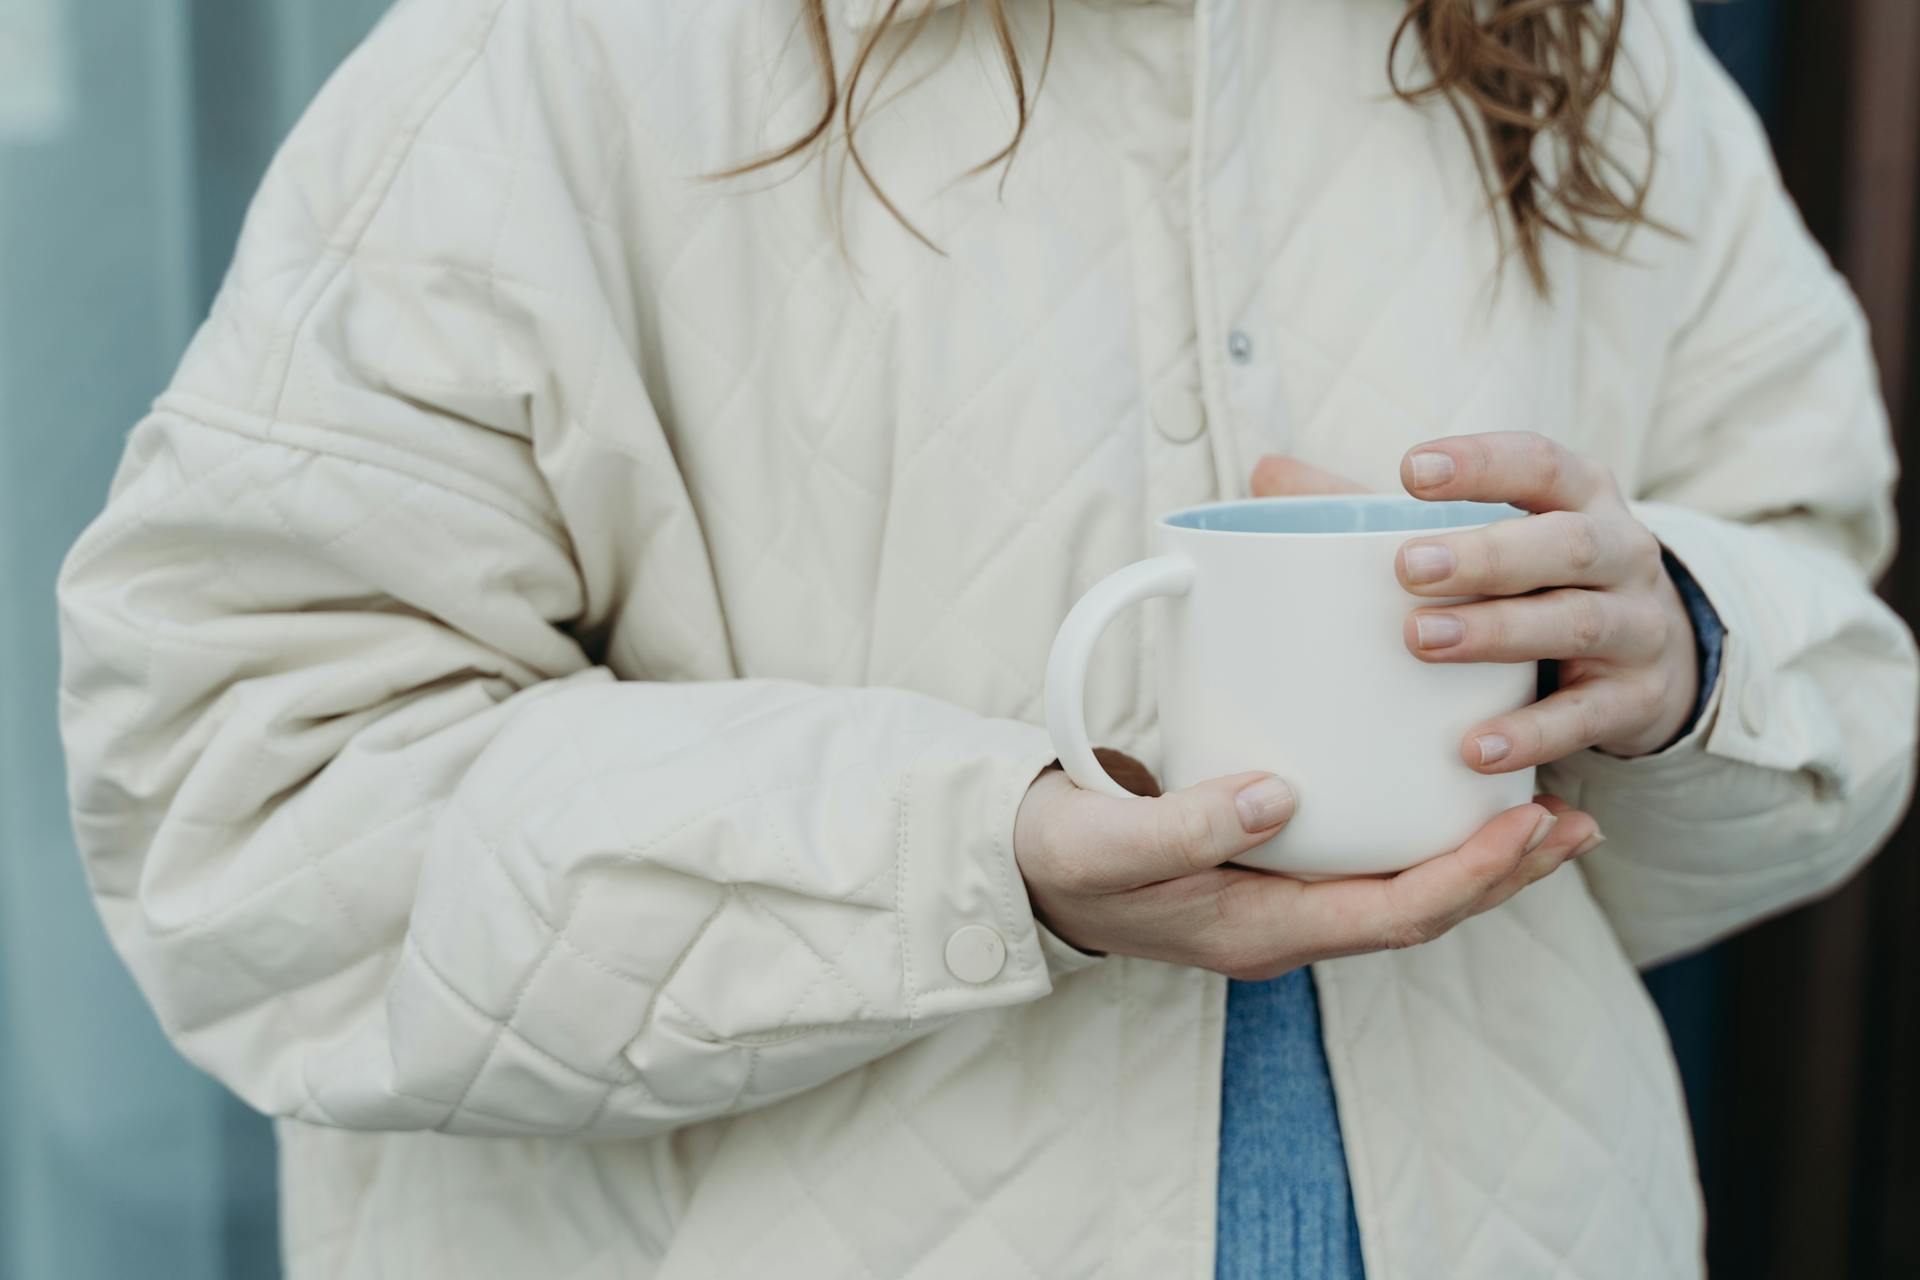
[563,657]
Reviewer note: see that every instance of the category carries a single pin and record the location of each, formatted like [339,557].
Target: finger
[1558,549]
[1277,476]
[1563,624]
[1575,835]
[1524,468]
[1429,899]
[1108,843]
[1574,718]
[1347,917]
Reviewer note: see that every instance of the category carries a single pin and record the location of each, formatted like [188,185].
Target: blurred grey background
[132,134]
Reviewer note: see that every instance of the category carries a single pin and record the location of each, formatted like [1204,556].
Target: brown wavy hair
[1528,80]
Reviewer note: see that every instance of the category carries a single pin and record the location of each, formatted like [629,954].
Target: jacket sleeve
[1769,476]
[383,846]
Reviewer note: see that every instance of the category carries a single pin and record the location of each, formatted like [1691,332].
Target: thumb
[1277,476]
[1193,829]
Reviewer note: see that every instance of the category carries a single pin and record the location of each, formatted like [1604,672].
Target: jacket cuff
[968,937]
[1746,710]
[1062,956]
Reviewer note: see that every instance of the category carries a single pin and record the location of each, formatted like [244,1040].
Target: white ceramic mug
[1281,650]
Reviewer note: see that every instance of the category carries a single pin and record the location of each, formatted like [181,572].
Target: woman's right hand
[1145,876]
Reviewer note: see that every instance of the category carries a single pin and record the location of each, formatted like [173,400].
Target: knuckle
[1582,541]
[1484,561]
[1413,931]
[1529,736]
[1235,943]
[1651,559]
[1588,622]
[1229,909]
[1477,455]
[1644,553]
[1184,831]
[1541,746]
[1589,724]
[1549,461]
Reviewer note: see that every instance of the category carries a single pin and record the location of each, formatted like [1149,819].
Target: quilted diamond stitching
[847,1156]
[1551,1108]
[982,1206]
[366,208]
[943,421]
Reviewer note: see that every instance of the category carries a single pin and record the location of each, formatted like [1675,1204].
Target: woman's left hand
[1579,581]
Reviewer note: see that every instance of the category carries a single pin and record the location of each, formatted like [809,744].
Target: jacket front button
[976,953]
[1178,414]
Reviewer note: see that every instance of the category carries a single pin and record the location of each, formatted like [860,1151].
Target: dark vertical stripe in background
[1744,35]
[1799,1042]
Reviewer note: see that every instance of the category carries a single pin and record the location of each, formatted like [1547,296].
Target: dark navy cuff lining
[1709,637]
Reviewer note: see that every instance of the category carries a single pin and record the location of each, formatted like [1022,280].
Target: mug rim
[1496,512]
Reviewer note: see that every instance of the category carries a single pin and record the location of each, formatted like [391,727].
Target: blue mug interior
[1347,513]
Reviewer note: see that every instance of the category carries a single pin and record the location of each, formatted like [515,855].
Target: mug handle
[1066,692]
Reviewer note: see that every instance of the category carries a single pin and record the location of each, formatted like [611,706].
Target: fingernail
[1541,830]
[1588,845]
[1438,630]
[1430,469]
[1493,747]
[1428,563]
[1263,804]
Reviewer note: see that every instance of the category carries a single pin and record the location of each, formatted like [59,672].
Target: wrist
[1066,948]
[1681,670]
[1677,679]
[1031,826]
